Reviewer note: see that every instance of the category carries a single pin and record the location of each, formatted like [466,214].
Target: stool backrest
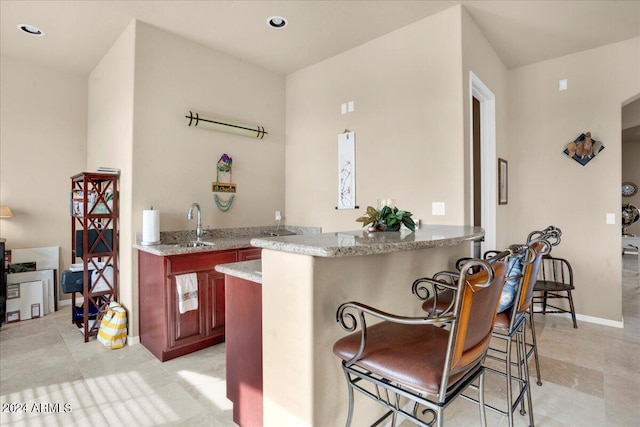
[475,312]
[530,274]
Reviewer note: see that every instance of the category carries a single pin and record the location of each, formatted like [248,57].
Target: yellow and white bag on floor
[113,327]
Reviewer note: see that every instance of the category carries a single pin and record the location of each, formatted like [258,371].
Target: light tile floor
[591,377]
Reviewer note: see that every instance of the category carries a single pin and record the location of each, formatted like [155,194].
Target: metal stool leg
[520,354]
[535,345]
[483,411]
[527,381]
[509,385]
[350,412]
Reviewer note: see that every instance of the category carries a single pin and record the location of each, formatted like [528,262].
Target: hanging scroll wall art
[347,170]
[224,183]
[584,148]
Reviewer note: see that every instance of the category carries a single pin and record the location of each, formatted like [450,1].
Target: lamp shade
[5,212]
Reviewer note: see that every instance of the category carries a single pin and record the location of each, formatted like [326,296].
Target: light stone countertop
[248,270]
[222,239]
[354,243]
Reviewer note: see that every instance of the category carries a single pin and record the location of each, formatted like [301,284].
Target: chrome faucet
[198,220]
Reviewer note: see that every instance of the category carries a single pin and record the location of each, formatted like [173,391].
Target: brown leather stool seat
[398,353]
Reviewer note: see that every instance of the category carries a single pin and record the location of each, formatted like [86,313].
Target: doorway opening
[476,139]
[483,162]
[630,158]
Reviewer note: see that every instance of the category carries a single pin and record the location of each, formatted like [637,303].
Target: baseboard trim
[67,302]
[600,321]
[591,319]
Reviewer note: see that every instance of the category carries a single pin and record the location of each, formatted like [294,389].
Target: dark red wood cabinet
[244,350]
[250,254]
[163,330]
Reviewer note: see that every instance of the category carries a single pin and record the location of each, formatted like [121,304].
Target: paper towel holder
[142,241]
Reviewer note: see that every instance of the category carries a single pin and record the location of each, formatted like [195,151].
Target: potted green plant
[387,219]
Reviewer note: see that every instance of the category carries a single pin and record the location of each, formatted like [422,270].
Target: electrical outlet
[278,216]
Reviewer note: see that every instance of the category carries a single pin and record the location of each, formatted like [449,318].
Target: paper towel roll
[150,227]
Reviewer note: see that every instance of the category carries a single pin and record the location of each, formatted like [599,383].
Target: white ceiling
[78,33]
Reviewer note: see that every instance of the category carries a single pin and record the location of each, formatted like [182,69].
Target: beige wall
[139,95]
[548,187]
[479,57]
[110,141]
[43,130]
[631,113]
[407,86]
[407,91]
[174,165]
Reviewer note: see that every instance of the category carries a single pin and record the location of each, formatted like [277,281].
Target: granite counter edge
[345,251]
[247,270]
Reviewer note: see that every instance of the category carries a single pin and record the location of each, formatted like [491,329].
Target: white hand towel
[187,285]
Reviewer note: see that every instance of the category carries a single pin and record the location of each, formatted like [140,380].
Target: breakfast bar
[304,279]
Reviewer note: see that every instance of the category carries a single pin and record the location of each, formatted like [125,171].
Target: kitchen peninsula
[304,280]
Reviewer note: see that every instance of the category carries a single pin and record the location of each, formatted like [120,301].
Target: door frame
[488,158]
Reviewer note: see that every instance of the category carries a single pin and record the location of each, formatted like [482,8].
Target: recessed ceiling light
[31,30]
[277,22]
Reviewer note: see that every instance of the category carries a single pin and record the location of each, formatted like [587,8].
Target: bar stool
[510,326]
[428,360]
[523,265]
[552,235]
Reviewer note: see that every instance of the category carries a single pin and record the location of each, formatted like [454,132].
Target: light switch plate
[351,106]
[343,108]
[563,84]
[611,218]
[437,208]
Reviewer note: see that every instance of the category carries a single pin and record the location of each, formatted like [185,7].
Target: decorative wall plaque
[224,183]
[583,148]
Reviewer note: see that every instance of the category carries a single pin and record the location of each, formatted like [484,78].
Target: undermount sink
[194,244]
[279,233]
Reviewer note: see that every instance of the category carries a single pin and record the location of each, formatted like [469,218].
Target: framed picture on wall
[503,182]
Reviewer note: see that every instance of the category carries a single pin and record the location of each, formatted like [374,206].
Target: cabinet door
[215,303]
[249,254]
[189,326]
